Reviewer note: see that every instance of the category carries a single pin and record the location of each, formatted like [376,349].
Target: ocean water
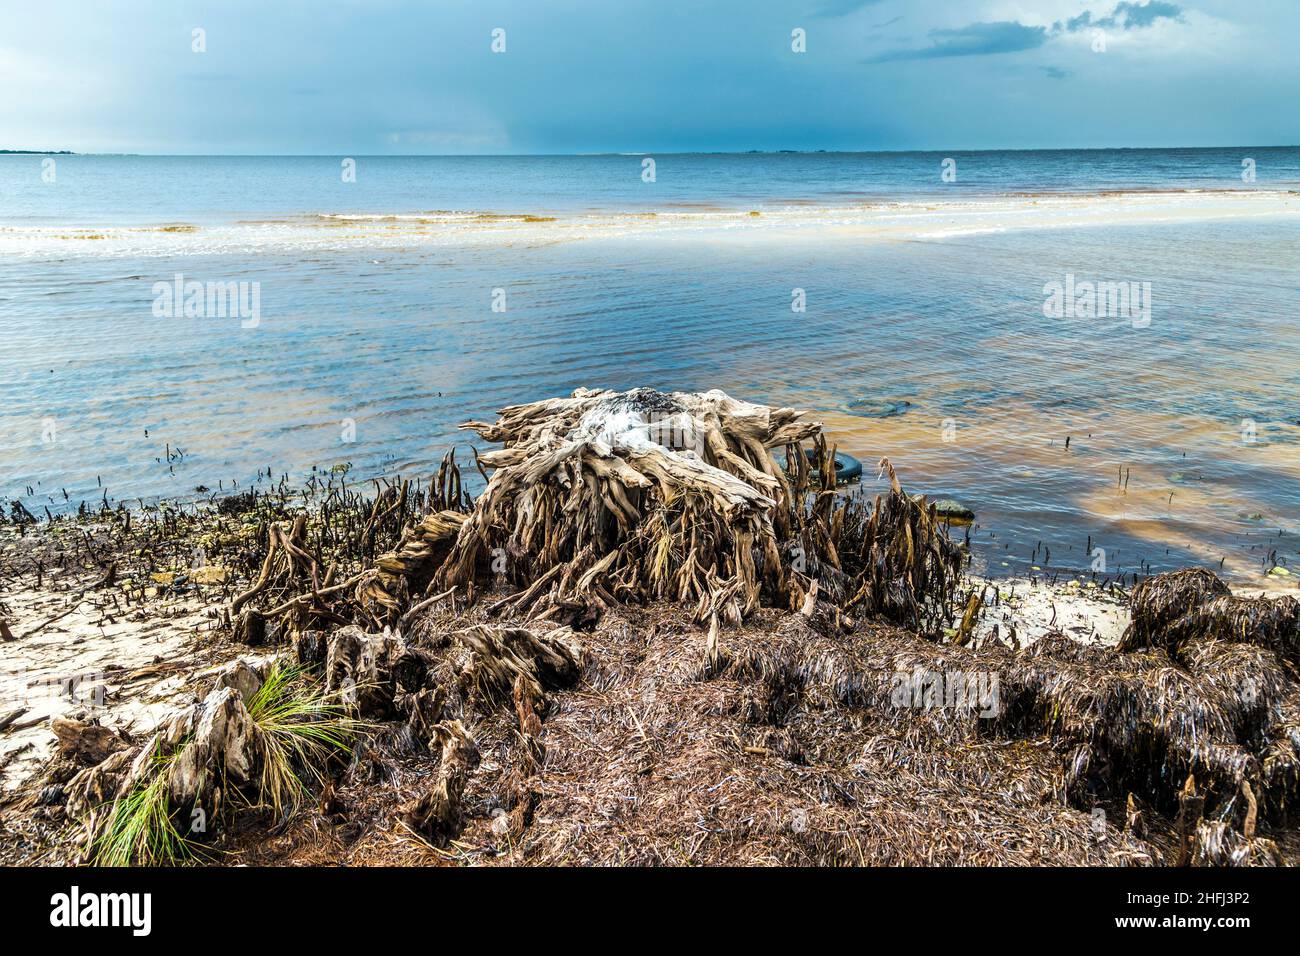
[133,190]
[923,334]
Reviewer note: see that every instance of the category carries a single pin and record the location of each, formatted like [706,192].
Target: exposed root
[437,813]
[607,498]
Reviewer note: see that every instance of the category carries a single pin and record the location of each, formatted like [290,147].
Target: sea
[1097,351]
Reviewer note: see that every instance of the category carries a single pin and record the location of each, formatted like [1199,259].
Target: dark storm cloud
[976,39]
[1127,16]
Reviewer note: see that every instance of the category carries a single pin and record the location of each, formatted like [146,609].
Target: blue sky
[392,76]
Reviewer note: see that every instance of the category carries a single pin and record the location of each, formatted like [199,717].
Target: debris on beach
[648,642]
[1176,610]
[609,497]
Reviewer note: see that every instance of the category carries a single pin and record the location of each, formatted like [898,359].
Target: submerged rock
[878,407]
[953,510]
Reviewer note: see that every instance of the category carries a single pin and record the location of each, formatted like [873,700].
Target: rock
[209,574]
[878,407]
[953,511]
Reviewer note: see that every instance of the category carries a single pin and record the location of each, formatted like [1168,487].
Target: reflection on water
[934,352]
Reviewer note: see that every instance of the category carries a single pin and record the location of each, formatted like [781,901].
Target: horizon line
[651,152]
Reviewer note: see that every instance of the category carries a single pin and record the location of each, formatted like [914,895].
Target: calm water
[113,190]
[925,343]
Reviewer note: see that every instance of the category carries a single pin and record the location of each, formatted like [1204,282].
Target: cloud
[976,39]
[841,8]
[1011,36]
[1127,16]
[82,77]
[1145,14]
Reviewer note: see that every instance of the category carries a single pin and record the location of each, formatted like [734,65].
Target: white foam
[913,219]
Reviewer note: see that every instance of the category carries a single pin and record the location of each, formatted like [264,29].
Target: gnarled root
[437,814]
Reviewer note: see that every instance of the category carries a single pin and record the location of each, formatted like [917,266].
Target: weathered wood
[437,814]
[633,495]
[86,743]
[506,655]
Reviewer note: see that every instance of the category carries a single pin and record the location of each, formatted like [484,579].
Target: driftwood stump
[437,814]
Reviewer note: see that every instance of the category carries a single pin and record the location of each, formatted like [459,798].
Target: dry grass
[785,743]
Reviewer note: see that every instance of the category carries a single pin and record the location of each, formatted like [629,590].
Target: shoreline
[352,825]
[868,438]
[731,640]
[916,218]
[143,640]
[982,569]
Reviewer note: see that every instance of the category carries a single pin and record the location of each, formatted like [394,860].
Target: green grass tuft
[302,727]
[140,828]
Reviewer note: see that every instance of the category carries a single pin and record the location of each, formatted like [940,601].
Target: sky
[368,77]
